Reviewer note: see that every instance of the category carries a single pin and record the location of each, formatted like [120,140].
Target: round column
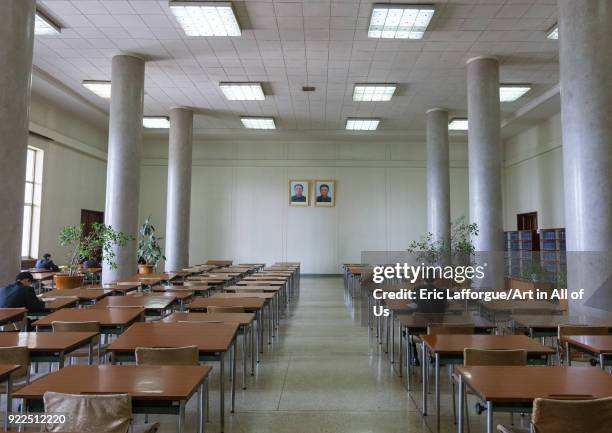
[124,158]
[178,204]
[438,176]
[17,36]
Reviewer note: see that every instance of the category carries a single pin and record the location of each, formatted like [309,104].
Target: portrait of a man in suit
[299,191]
[325,191]
[324,196]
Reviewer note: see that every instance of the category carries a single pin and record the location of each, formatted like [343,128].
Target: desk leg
[253,355]
[200,407]
[489,417]
[425,378]
[233,370]
[60,361]
[601,361]
[437,379]
[409,356]
[392,338]
[460,405]
[269,324]
[181,420]
[244,356]
[401,351]
[222,390]
[568,355]
[90,352]
[9,401]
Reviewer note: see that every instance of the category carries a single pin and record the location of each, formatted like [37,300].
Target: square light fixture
[458,124]
[258,122]
[243,91]
[156,122]
[512,92]
[361,124]
[373,92]
[397,21]
[199,18]
[43,25]
[100,88]
[553,32]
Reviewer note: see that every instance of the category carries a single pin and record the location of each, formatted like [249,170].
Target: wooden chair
[477,357]
[89,326]
[108,413]
[212,309]
[572,330]
[568,416]
[187,355]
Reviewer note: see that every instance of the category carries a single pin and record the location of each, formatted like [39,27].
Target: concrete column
[124,157]
[438,181]
[17,36]
[178,204]
[485,164]
[586,100]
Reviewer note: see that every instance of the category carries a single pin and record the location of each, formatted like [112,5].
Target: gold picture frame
[324,197]
[297,197]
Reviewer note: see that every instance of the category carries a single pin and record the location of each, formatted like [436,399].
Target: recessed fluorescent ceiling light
[400,21]
[373,92]
[43,25]
[458,124]
[258,122]
[510,93]
[100,88]
[362,124]
[156,122]
[242,91]
[206,18]
[553,33]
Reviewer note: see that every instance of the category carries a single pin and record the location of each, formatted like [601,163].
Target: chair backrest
[572,416]
[90,326]
[213,309]
[494,357]
[16,355]
[565,330]
[109,413]
[187,355]
[455,328]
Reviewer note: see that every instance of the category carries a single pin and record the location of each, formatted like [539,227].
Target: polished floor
[324,373]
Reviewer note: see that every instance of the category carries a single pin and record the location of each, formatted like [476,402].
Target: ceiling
[288,44]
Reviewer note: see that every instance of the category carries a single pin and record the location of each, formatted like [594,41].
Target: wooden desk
[55,305]
[596,345]
[153,389]
[153,305]
[49,346]
[495,308]
[83,295]
[262,295]
[120,288]
[513,389]
[448,349]
[547,326]
[213,341]
[5,376]
[253,288]
[11,315]
[112,320]
[196,290]
[260,282]
[180,297]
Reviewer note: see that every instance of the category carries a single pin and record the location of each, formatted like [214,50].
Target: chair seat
[511,429]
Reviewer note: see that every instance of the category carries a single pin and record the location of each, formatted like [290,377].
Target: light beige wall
[240,194]
[533,175]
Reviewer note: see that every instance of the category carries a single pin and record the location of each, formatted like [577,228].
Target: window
[31,208]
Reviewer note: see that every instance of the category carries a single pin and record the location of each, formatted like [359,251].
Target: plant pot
[65,281]
[146,269]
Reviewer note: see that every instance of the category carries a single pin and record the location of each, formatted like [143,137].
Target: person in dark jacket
[46,263]
[21,294]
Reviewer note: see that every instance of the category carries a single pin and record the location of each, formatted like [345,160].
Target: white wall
[74,170]
[240,194]
[533,175]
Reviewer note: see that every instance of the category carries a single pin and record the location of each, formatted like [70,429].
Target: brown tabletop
[149,303]
[121,287]
[10,315]
[244,319]
[140,382]
[82,294]
[108,317]
[420,322]
[260,283]
[598,344]
[447,344]
[6,370]
[58,304]
[401,306]
[209,337]
[244,295]
[253,288]
[47,344]
[250,304]
[551,322]
[526,383]
[181,289]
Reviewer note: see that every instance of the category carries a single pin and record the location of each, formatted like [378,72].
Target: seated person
[46,263]
[21,294]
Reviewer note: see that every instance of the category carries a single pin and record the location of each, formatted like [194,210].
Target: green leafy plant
[148,244]
[81,246]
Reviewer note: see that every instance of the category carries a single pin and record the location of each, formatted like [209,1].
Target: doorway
[89,217]
[527,221]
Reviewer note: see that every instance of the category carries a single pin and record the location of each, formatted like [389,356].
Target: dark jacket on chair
[17,295]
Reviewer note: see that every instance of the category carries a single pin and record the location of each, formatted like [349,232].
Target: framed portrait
[299,193]
[325,193]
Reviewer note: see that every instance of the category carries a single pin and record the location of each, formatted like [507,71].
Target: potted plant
[101,238]
[149,251]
